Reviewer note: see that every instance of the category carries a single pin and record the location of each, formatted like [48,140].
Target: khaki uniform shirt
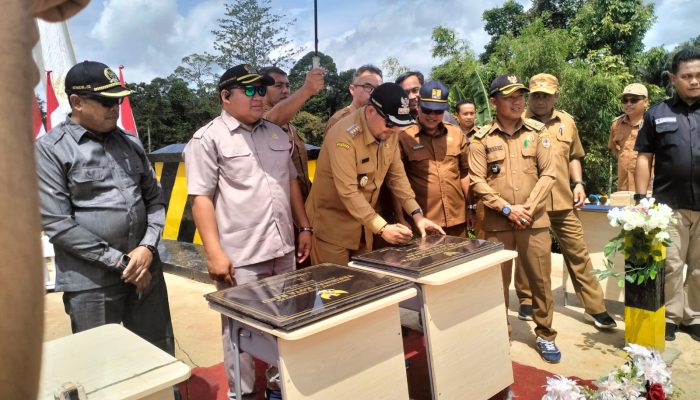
[350,169]
[623,136]
[525,171]
[300,158]
[566,146]
[342,113]
[434,166]
[247,172]
[470,133]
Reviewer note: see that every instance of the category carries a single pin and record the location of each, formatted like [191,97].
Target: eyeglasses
[250,90]
[106,102]
[631,100]
[429,112]
[413,90]
[387,122]
[369,88]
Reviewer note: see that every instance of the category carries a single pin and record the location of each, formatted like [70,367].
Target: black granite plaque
[298,298]
[427,255]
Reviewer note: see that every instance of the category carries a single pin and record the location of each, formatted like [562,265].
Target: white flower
[562,388]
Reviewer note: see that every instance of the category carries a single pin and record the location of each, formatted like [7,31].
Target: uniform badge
[546,143]
[343,145]
[364,180]
[528,140]
[495,168]
[274,135]
[404,109]
[353,130]
[417,147]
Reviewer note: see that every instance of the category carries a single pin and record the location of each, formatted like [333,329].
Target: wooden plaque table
[356,354]
[110,362]
[466,332]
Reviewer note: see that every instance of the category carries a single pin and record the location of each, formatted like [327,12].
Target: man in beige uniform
[510,168]
[241,182]
[434,155]
[623,133]
[23,287]
[357,155]
[364,81]
[281,106]
[565,224]
[466,116]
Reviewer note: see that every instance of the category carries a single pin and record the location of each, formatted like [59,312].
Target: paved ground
[586,352]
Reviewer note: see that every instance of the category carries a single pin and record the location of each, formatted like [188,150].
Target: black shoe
[692,330]
[525,312]
[602,320]
[670,331]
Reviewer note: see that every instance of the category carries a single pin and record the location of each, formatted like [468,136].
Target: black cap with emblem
[241,75]
[505,85]
[95,78]
[392,102]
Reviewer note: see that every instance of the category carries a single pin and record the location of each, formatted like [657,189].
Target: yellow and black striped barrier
[170,171]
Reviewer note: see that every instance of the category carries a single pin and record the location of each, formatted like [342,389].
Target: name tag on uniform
[418,147]
[664,120]
[364,160]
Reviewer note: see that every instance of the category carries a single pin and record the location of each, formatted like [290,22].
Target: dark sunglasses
[429,112]
[387,122]
[631,100]
[250,90]
[106,102]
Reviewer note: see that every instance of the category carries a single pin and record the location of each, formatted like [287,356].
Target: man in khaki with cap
[364,81]
[434,155]
[510,168]
[358,155]
[565,224]
[623,133]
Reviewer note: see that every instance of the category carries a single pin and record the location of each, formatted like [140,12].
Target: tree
[392,68]
[556,14]
[619,25]
[198,69]
[506,20]
[325,103]
[251,33]
[310,127]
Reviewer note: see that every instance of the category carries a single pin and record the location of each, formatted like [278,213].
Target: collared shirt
[351,168]
[99,198]
[566,146]
[300,157]
[623,136]
[670,132]
[468,134]
[435,166]
[512,169]
[247,174]
[340,114]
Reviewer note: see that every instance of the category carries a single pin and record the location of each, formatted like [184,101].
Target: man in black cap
[104,212]
[434,155]
[358,154]
[245,199]
[511,171]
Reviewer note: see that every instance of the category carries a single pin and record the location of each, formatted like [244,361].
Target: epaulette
[534,124]
[483,131]
[200,131]
[567,114]
[353,130]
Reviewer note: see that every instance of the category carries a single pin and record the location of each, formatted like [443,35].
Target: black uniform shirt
[670,132]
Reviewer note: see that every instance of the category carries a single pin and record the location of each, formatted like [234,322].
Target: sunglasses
[106,102]
[387,122]
[631,100]
[429,112]
[250,90]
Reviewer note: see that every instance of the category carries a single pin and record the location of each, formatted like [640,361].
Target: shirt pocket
[237,161]
[131,170]
[280,156]
[529,159]
[88,185]
[564,141]
[668,134]
[495,165]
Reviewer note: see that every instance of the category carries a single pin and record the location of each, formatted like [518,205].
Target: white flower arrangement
[642,240]
[644,376]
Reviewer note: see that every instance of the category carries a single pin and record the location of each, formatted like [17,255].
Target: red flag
[38,124]
[126,116]
[53,114]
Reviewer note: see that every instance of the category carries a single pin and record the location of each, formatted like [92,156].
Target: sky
[150,37]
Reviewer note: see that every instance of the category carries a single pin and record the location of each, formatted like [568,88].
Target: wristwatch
[305,229]
[582,183]
[152,249]
[417,211]
[505,210]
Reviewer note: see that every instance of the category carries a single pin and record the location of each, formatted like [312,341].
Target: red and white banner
[126,116]
[54,114]
[37,123]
